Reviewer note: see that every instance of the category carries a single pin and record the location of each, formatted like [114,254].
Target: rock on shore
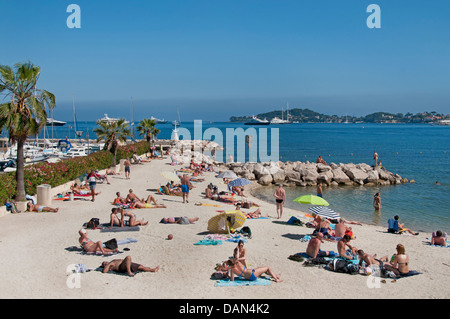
[310,174]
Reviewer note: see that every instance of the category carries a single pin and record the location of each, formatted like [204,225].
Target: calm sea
[420,152]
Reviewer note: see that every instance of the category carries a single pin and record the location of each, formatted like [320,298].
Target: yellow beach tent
[223,222]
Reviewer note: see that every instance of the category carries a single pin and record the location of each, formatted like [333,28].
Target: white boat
[109,120]
[159,121]
[277,120]
[77,151]
[53,122]
[256,121]
[444,122]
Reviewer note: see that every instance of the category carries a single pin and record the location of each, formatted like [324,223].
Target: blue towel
[242,282]
[208,242]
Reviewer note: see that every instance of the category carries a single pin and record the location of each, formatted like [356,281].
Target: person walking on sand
[377,201]
[127,165]
[280,197]
[185,188]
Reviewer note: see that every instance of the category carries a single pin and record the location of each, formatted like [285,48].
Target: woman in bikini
[90,247]
[400,264]
[237,269]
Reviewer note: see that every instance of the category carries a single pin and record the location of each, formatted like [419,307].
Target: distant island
[309,116]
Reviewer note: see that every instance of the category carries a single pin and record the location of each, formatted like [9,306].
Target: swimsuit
[40,208]
[185,188]
[279,201]
[253,277]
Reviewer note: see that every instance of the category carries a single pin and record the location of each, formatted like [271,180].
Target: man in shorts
[126,266]
[185,188]
[127,165]
[280,197]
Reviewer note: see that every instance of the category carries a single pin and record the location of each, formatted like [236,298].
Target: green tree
[112,133]
[24,115]
[147,127]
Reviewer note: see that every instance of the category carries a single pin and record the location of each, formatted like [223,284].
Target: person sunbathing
[40,208]
[439,239]
[92,247]
[125,266]
[237,269]
[119,199]
[179,220]
[256,214]
[111,171]
[147,203]
[121,222]
[77,190]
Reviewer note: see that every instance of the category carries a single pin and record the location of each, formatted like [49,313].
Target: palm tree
[112,133]
[25,114]
[148,128]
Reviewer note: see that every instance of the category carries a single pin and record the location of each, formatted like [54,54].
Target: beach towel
[209,242]
[81,251]
[409,274]
[239,282]
[105,228]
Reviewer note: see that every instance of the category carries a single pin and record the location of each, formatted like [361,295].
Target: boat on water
[256,121]
[109,120]
[158,121]
[53,122]
[277,120]
[444,122]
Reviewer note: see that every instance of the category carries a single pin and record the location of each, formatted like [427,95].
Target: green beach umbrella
[311,199]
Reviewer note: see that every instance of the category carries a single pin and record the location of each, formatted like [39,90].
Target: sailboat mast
[131,122]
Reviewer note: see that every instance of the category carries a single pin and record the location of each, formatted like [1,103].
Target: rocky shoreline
[289,173]
[310,174]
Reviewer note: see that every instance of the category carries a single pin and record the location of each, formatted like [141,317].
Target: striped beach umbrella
[227,174]
[324,212]
[221,223]
[239,182]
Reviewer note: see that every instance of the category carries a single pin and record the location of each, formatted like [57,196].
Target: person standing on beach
[280,197]
[377,201]
[375,157]
[127,165]
[319,190]
[92,178]
[185,188]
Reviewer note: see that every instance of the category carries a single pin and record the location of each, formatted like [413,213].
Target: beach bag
[345,266]
[315,262]
[246,231]
[111,244]
[294,221]
[93,223]
[12,207]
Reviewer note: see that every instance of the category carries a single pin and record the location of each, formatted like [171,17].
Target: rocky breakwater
[311,174]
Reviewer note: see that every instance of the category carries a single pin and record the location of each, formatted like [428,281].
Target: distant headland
[297,115]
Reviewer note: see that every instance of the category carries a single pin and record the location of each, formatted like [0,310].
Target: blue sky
[211,59]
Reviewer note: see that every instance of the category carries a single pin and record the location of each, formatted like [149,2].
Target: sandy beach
[35,259]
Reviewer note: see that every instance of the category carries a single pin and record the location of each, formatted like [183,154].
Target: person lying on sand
[179,220]
[125,266]
[237,269]
[40,208]
[132,221]
[78,190]
[256,214]
[92,247]
[147,203]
